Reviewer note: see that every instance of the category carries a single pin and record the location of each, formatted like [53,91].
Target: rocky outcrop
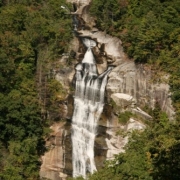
[115,142]
[135,81]
[54,160]
[108,46]
[123,100]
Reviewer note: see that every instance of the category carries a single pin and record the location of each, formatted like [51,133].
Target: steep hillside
[40,44]
[32,35]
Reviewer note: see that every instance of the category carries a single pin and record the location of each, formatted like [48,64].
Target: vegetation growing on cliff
[150,32]
[32,33]
[153,154]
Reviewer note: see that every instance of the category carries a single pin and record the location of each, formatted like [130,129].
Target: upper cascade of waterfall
[89,43]
[88,57]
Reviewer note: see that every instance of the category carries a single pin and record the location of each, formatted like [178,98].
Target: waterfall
[88,106]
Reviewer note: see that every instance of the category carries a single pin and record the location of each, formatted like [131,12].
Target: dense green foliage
[32,33]
[124,117]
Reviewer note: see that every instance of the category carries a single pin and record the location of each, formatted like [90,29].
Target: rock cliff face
[54,160]
[129,88]
[135,80]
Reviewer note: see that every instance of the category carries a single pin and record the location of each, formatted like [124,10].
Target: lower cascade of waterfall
[88,106]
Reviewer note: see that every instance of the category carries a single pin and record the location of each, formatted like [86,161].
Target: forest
[34,33]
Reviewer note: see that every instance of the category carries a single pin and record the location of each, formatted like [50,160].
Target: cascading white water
[88,106]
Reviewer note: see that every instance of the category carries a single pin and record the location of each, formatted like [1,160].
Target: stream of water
[88,106]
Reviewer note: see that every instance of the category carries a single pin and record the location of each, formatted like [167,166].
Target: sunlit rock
[53,161]
[123,100]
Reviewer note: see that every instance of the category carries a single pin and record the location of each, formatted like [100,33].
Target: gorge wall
[129,88]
